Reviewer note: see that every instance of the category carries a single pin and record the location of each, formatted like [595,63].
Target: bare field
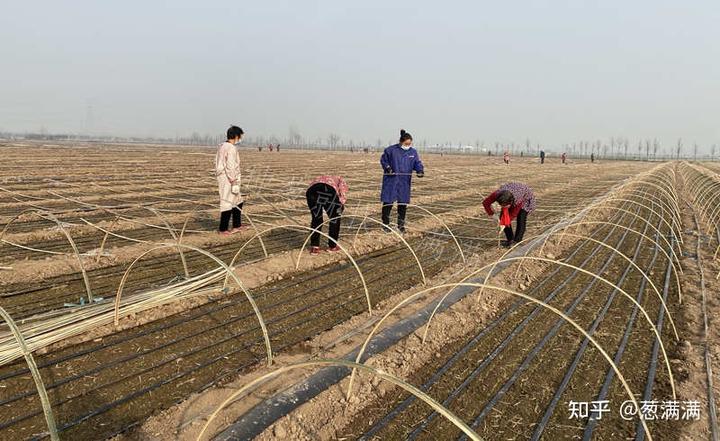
[143,322]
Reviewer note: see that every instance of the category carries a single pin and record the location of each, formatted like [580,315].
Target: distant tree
[656,145]
[294,137]
[626,144]
[333,140]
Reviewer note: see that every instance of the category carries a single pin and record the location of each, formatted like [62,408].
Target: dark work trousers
[520,227]
[401,210]
[322,197]
[235,213]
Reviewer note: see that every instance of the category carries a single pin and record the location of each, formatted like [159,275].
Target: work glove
[420,174]
[389,171]
[235,189]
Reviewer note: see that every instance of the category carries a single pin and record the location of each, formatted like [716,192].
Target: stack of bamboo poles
[45,329]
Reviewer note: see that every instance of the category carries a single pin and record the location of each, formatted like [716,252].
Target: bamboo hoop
[52,217]
[347,364]
[219,262]
[303,227]
[42,392]
[318,229]
[562,315]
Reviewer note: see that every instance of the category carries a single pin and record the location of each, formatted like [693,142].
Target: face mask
[239,142]
[405,147]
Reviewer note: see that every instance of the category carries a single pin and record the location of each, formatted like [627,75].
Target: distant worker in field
[506,158]
[398,162]
[592,157]
[227,171]
[277,148]
[259,148]
[563,157]
[516,201]
[542,156]
[329,194]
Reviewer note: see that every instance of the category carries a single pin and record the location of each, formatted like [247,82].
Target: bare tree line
[613,148]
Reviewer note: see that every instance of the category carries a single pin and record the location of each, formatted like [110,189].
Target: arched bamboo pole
[110,233]
[712,216]
[457,244]
[669,191]
[710,179]
[439,408]
[40,213]
[643,273]
[662,203]
[545,237]
[677,232]
[219,262]
[665,253]
[660,181]
[672,196]
[102,244]
[278,210]
[707,185]
[667,256]
[175,237]
[111,210]
[659,233]
[306,228]
[467,277]
[557,312]
[644,188]
[422,271]
[436,217]
[602,279]
[42,392]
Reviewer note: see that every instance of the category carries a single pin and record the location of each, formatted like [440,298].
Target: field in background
[74,220]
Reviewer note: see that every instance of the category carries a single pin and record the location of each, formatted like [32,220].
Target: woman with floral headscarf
[516,201]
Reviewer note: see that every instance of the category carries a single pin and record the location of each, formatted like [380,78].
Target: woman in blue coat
[398,162]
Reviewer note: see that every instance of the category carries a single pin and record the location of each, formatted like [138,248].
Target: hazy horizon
[461,72]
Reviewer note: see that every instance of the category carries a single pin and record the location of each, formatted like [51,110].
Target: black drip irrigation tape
[530,356]
[154,386]
[618,356]
[265,413]
[578,356]
[402,406]
[136,393]
[652,369]
[276,242]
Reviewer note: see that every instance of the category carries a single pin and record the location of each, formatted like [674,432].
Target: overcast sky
[553,71]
